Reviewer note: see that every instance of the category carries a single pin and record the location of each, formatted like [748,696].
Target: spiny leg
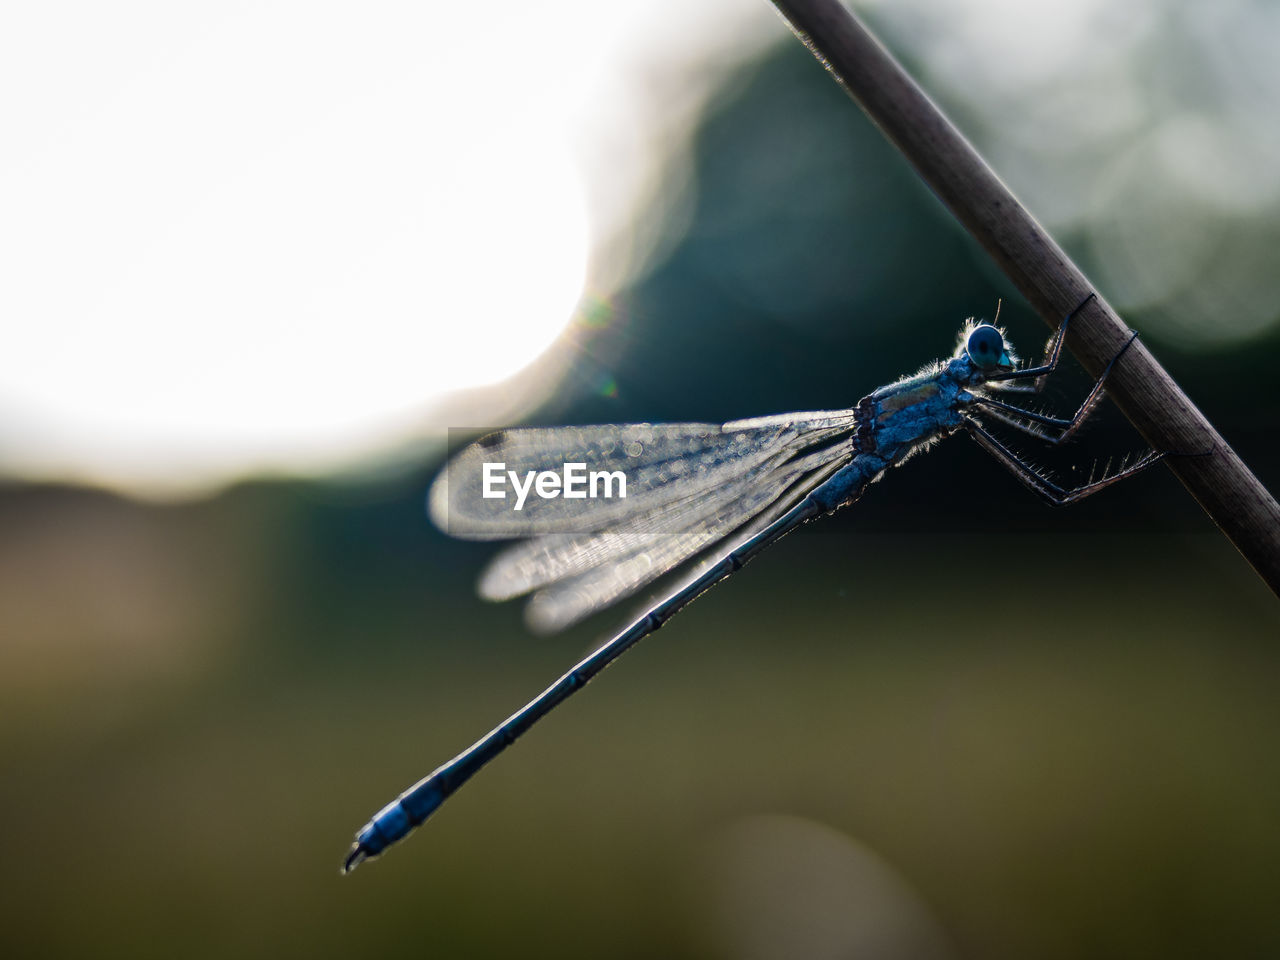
[1052,354]
[1069,426]
[1043,487]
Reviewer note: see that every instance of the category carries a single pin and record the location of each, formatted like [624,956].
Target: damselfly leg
[1042,486]
[1035,424]
[1007,412]
[1014,382]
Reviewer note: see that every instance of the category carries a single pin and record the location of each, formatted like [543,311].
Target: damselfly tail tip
[357,856]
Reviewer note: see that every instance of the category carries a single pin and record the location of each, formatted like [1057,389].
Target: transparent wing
[663,464]
[698,520]
[579,575]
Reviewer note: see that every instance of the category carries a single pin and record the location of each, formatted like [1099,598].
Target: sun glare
[280,237]
[265,238]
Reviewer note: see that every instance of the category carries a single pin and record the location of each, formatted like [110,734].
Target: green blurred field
[1056,773]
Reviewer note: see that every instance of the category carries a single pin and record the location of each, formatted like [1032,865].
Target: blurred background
[256,259]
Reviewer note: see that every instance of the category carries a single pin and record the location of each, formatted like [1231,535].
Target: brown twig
[1141,388]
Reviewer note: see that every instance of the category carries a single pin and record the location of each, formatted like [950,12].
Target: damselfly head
[986,348]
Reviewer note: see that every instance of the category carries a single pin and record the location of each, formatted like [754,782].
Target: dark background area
[1055,728]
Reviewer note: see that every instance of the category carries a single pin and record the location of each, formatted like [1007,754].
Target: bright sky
[245,236]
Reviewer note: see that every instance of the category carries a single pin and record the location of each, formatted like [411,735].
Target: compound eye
[985,346]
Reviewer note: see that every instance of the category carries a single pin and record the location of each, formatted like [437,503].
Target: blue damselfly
[693,486]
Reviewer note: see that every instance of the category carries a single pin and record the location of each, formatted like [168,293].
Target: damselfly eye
[985,346]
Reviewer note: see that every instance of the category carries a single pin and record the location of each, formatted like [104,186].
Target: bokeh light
[1146,130]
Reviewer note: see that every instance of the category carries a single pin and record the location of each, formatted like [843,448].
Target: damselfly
[693,486]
